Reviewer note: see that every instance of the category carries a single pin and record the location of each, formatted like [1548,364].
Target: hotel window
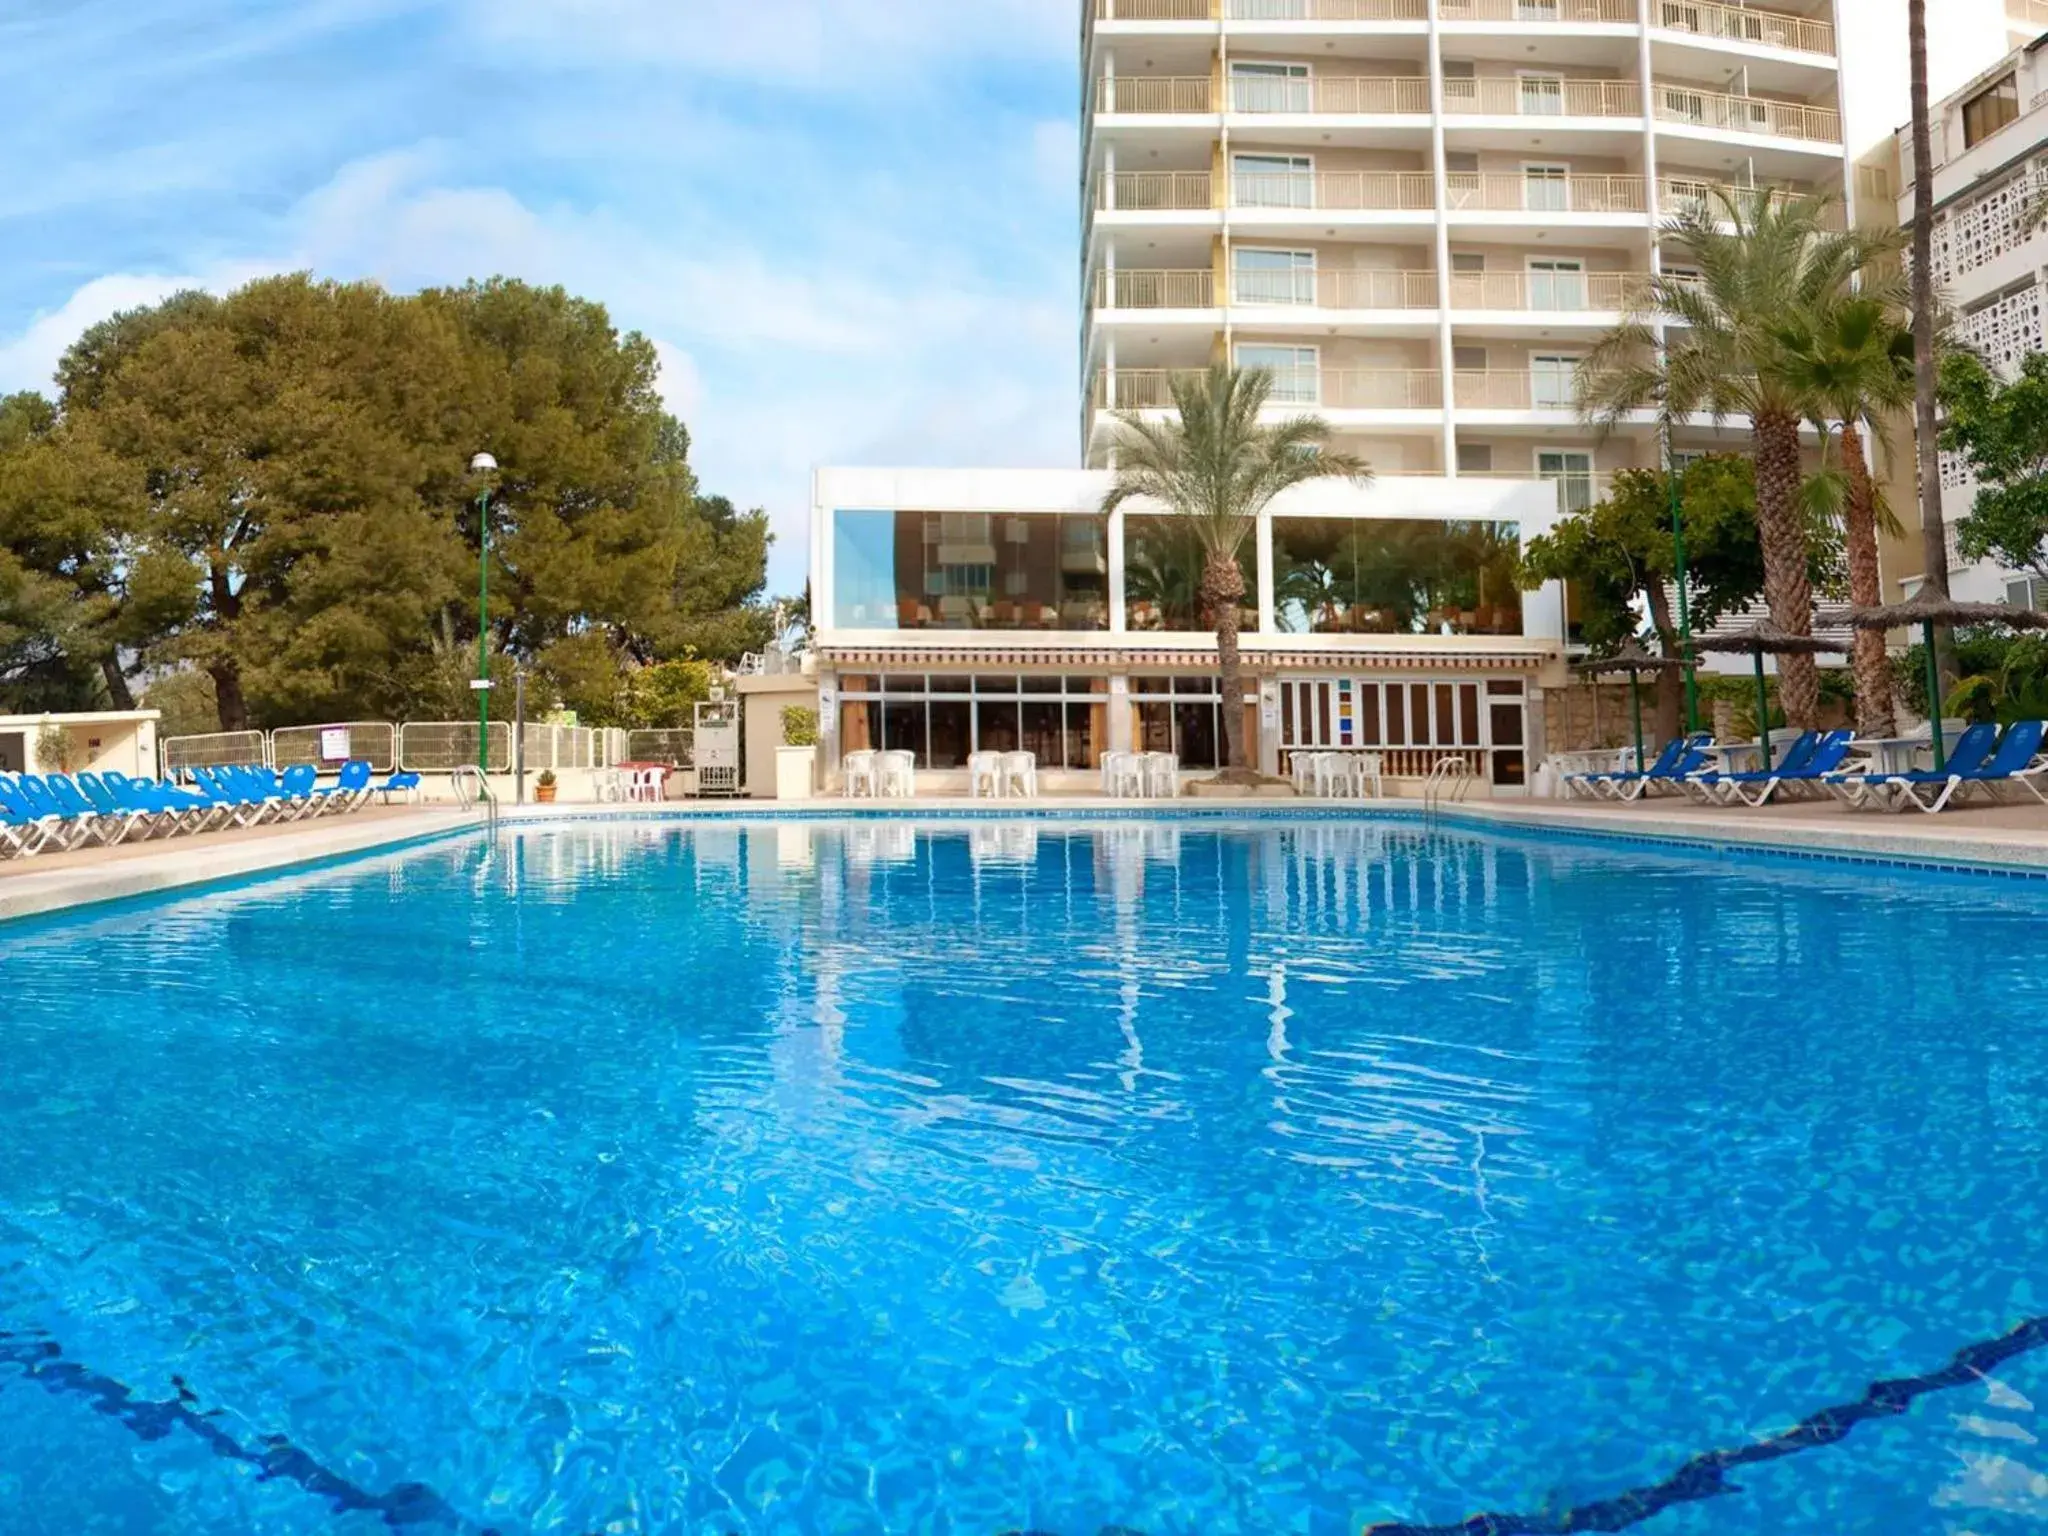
[1552,381]
[1266,87]
[970,570]
[1181,715]
[1297,380]
[1573,475]
[1273,181]
[1062,721]
[1272,277]
[1546,188]
[1990,110]
[1395,576]
[1163,562]
[1557,284]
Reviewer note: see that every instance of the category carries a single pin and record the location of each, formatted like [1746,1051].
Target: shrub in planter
[799,726]
[544,787]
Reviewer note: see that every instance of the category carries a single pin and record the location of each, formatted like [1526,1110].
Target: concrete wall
[762,700]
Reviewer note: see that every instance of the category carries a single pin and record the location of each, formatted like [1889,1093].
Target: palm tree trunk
[1782,531]
[1873,667]
[1926,424]
[1222,591]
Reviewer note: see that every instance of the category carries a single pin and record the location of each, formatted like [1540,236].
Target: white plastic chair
[608,785]
[1365,769]
[984,772]
[857,774]
[649,783]
[1301,768]
[1122,775]
[899,774]
[1333,774]
[1161,774]
[1018,774]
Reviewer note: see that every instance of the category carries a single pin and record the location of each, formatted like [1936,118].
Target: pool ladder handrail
[1439,785]
[468,776]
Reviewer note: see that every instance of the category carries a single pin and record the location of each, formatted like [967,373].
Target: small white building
[972,610]
[117,739]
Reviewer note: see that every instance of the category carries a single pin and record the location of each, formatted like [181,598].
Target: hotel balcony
[1319,291]
[1322,389]
[1713,113]
[1320,96]
[1782,30]
[1546,96]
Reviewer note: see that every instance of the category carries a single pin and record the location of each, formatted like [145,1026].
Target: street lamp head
[482,464]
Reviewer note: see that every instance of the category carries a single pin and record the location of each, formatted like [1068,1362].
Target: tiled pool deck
[2009,839]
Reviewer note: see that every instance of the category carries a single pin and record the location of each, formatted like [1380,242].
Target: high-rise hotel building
[1419,214]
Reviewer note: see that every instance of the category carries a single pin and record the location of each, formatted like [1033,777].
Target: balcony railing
[1505,192]
[1338,389]
[1139,289]
[2032,13]
[1504,389]
[1538,10]
[1157,192]
[1335,288]
[1546,292]
[1326,10]
[1310,288]
[1676,193]
[1337,191]
[1346,95]
[1543,96]
[1158,94]
[1742,24]
[1153,10]
[1747,114]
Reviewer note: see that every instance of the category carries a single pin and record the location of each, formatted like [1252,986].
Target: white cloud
[841,45]
[29,360]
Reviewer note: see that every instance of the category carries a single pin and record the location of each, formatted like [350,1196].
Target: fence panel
[329,746]
[441,746]
[246,749]
[674,747]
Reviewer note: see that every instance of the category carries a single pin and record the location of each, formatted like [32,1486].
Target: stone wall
[1588,717]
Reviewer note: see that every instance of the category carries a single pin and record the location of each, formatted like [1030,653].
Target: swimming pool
[993,1176]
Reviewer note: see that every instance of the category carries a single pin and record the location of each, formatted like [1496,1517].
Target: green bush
[799,726]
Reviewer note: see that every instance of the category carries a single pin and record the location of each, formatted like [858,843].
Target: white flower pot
[795,772]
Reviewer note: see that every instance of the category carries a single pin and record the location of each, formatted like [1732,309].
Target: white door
[1557,284]
[1273,181]
[1546,188]
[1297,378]
[1542,95]
[1272,277]
[1551,386]
[1573,472]
[1263,87]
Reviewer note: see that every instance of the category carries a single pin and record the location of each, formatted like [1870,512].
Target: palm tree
[1926,423]
[1854,361]
[1761,259]
[1217,465]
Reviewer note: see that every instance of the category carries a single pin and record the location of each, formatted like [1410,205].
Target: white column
[1445,356]
[1262,544]
[1119,713]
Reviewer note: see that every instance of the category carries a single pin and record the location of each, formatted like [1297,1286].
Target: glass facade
[1181,715]
[1163,578]
[1064,721]
[969,570]
[1395,576]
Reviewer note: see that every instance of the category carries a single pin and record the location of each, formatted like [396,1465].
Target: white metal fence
[441,746]
[677,748]
[329,746]
[247,749]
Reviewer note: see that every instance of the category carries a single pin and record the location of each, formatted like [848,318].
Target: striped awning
[1180,658]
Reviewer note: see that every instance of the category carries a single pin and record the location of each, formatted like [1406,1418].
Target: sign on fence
[327,747]
[334,744]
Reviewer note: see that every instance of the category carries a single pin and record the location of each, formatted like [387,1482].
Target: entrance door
[1546,188]
[1552,382]
[13,752]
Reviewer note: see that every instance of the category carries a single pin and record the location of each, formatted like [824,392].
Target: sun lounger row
[56,812]
[1985,764]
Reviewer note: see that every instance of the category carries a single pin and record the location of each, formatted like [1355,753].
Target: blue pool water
[851,1178]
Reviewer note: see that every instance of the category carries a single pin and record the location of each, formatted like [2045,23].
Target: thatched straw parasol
[1768,637]
[1928,608]
[1631,658]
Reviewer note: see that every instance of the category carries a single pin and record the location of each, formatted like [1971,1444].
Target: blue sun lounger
[1808,761]
[1885,790]
[1669,767]
[2015,756]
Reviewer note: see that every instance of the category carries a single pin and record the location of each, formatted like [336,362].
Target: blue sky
[849,225]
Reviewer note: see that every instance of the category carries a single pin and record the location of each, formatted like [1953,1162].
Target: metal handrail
[1435,787]
[468,777]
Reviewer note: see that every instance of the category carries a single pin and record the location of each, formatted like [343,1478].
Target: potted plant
[544,787]
[796,760]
